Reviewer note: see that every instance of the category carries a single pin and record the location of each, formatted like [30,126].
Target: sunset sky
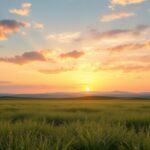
[74,45]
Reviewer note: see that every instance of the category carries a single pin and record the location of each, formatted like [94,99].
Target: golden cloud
[23,11]
[126,2]
[65,37]
[117,16]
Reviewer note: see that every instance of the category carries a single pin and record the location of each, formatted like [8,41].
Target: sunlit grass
[74,125]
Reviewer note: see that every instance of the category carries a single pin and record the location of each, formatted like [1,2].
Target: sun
[87,89]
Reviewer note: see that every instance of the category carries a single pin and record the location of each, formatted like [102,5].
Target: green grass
[74,124]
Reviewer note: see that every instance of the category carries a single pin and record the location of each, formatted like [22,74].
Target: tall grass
[74,125]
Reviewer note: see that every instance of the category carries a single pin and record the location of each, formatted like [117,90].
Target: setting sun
[87,89]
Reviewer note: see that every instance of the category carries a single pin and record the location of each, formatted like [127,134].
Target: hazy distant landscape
[74,124]
[63,95]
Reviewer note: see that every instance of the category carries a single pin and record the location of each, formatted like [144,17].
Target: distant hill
[118,94]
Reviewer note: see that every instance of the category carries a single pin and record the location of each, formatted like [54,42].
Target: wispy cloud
[73,54]
[116,16]
[130,47]
[56,70]
[130,67]
[5,82]
[125,2]
[23,11]
[134,32]
[32,88]
[38,25]
[129,62]
[25,58]
[116,35]
[10,26]
[65,37]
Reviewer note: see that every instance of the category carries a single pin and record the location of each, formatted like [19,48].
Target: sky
[74,46]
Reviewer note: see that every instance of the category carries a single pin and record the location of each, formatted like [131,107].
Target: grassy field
[74,124]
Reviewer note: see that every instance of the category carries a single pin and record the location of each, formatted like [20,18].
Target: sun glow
[87,89]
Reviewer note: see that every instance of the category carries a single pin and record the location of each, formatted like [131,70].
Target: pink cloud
[10,26]
[74,54]
[25,58]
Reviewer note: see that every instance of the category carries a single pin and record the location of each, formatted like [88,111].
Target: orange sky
[102,45]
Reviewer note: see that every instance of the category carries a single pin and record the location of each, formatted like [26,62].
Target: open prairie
[27,124]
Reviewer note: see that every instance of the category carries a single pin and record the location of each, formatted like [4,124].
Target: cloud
[144,59]
[38,25]
[74,54]
[134,32]
[65,37]
[130,67]
[115,35]
[126,63]
[23,11]
[117,16]
[125,2]
[10,26]
[25,58]
[24,33]
[32,88]
[56,70]
[130,47]
[26,5]
[5,82]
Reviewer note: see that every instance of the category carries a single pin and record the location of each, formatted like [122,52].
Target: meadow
[117,124]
